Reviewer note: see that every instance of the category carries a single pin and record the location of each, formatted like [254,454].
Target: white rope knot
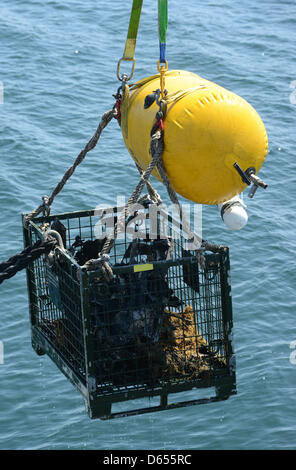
[101,262]
[104,258]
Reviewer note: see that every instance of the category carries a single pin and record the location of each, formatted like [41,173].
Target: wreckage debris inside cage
[162,325]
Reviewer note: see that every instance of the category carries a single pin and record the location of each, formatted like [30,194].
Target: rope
[156,150]
[197,241]
[47,201]
[22,260]
[156,153]
[103,262]
[154,196]
[31,253]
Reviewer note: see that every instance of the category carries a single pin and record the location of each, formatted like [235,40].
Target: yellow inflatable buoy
[206,130]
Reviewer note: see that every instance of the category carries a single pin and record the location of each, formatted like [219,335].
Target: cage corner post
[228,385]
[32,294]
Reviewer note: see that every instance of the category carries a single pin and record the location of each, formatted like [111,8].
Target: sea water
[58,73]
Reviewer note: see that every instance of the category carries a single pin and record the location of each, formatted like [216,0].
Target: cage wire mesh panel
[162,325]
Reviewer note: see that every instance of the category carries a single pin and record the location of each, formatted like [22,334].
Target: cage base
[200,401]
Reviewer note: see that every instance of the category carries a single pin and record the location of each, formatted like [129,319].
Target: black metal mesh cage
[162,325]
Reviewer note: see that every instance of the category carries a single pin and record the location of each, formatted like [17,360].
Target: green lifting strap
[130,45]
[162,27]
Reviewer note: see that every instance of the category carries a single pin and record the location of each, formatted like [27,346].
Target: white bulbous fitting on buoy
[233,213]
